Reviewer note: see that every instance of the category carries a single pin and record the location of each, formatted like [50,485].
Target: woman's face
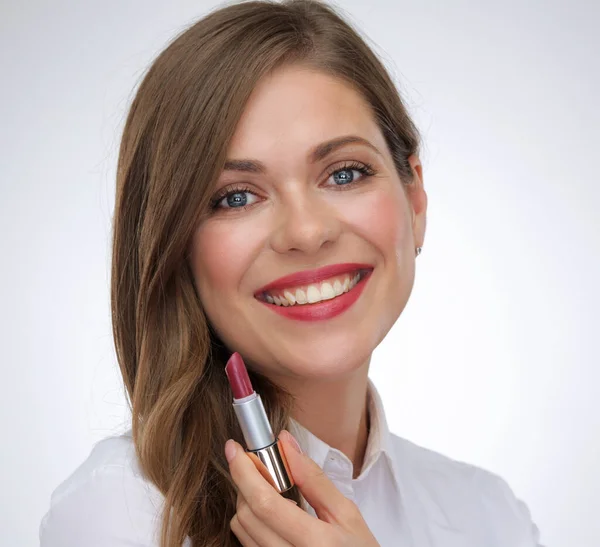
[301,215]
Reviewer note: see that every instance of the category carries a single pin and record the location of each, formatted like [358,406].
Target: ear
[417,200]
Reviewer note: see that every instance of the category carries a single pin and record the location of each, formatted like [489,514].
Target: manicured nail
[230,450]
[293,441]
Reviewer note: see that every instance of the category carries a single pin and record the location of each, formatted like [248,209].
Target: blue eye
[236,198]
[341,173]
[344,175]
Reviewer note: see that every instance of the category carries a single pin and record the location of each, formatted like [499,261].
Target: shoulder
[105,501]
[438,471]
[467,496]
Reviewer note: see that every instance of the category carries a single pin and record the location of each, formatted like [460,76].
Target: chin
[325,361]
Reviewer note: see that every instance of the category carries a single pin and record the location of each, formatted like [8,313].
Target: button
[342,459]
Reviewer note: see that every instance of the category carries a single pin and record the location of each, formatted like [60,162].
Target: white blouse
[409,496]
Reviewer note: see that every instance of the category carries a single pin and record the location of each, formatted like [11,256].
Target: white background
[495,359]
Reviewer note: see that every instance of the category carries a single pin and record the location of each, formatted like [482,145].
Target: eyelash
[365,169]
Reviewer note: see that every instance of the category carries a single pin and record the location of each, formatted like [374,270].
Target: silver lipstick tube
[262,446]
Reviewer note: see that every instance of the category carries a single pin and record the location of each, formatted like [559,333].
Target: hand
[264,518]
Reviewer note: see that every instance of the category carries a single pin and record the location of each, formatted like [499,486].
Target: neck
[336,412]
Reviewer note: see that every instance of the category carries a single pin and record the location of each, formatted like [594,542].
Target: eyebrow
[318,153]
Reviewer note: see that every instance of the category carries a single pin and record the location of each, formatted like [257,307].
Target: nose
[305,223]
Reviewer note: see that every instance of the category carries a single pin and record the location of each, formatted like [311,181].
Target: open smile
[313,293]
[317,301]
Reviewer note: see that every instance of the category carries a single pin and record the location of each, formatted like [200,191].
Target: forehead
[295,107]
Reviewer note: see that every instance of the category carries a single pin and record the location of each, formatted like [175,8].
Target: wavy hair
[172,150]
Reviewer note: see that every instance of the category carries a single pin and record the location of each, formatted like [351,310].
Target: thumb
[323,496]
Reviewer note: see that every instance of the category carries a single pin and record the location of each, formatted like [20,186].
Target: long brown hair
[173,148]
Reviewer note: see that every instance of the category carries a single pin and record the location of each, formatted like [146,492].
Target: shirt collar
[379,441]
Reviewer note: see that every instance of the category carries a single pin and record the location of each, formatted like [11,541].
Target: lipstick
[265,450]
[314,276]
[325,309]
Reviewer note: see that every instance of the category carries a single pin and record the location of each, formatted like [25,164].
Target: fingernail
[230,450]
[294,502]
[293,441]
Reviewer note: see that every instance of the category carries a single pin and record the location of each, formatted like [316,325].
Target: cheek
[383,219]
[219,257]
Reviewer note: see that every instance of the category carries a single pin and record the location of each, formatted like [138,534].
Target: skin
[266,519]
[299,219]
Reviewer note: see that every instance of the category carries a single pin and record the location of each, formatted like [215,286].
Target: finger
[329,503]
[241,534]
[256,529]
[286,519]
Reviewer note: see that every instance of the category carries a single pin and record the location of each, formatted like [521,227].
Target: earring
[418,250]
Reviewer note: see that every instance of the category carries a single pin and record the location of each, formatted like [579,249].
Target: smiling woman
[270,205]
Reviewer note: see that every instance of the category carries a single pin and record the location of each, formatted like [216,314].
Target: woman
[268,141]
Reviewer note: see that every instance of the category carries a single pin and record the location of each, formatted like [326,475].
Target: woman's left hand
[264,518]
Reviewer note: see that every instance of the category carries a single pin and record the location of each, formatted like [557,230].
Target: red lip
[313,276]
[326,309]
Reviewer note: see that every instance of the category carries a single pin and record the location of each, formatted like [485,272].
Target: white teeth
[337,287]
[327,292]
[300,296]
[346,285]
[313,294]
[289,297]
